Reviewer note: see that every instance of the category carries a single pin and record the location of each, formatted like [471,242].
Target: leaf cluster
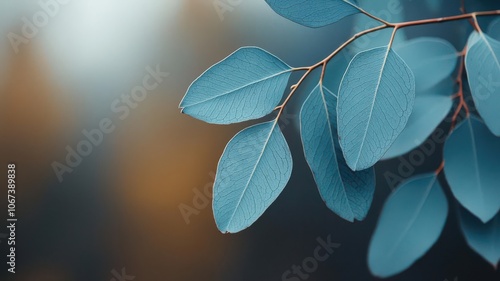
[385,103]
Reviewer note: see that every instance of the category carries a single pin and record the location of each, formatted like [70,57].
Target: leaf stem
[439,169]
[475,24]
[393,35]
[373,16]
[300,68]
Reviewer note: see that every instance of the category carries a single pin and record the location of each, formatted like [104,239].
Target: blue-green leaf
[315,13]
[494,29]
[472,167]
[430,108]
[246,85]
[375,102]
[434,5]
[252,172]
[411,221]
[349,194]
[484,238]
[483,70]
[431,59]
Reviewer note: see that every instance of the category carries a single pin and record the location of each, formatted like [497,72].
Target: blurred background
[139,202]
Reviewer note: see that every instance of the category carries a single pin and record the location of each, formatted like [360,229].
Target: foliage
[386,102]
[410,223]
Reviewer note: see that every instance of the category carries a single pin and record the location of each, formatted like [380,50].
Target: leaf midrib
[363,140]
[415,215]
[251,174]
[476,161]
[239,88]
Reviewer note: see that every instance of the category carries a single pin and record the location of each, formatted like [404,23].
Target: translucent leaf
[472,167]
[429,110]
[375,102]
[483,70]
[431,59]
[484,238]
[494,29]
[252,172]
[313,13]
[411,221]
[248,84]
[349,194]
[434,5]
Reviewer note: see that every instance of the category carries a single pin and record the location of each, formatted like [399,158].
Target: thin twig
[460,93]
[445,19]
[372,16]
[439,169]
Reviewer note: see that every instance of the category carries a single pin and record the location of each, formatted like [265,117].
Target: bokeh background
[121,207]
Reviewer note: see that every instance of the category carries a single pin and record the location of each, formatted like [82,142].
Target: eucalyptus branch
[396,26]
[460,93]
[342,140]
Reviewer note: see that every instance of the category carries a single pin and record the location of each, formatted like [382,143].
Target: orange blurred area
[150,165]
